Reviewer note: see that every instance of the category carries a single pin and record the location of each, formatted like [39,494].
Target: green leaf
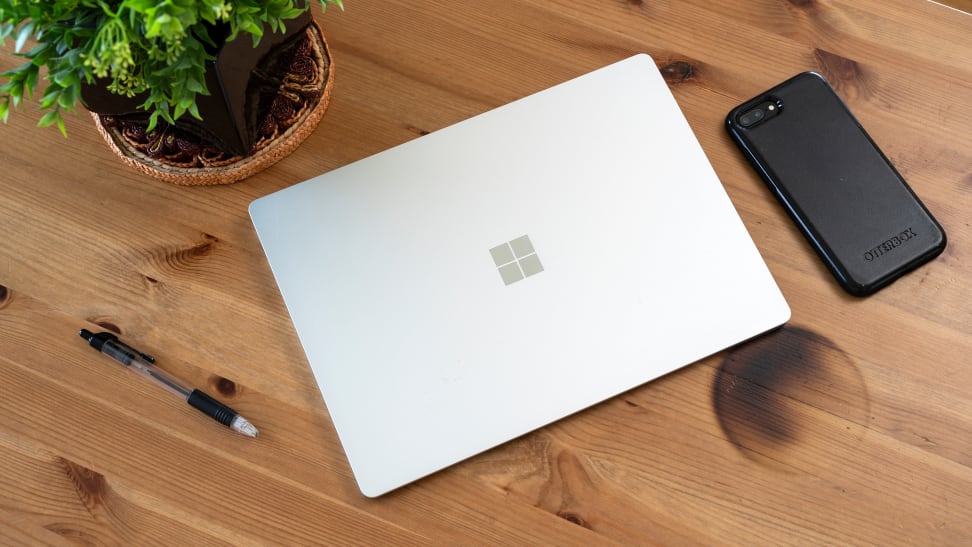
[8,87]
[23,34]
[6,29]
[48,119]
[64,77]
[69,97]
[195,86]
[153,121]
[257,33]
[30,82]
[337,3]
[40,54]
[202,34]
[51,95]
[4,110]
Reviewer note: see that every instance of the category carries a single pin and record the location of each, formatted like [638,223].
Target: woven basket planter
[292,86]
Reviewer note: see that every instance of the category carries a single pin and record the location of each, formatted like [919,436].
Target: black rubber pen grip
[220,412]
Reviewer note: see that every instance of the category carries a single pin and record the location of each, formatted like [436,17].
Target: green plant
[158,47]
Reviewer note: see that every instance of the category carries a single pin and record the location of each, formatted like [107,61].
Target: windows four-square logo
[516,260]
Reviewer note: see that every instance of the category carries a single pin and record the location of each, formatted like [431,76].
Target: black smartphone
[857,212]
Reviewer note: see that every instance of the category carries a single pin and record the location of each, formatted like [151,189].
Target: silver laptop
[467,287]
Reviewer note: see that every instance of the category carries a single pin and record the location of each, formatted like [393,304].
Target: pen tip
[243,426]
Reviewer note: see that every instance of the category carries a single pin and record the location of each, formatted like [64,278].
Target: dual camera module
[763,111]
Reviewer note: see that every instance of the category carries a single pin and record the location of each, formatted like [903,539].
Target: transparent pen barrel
[132,360]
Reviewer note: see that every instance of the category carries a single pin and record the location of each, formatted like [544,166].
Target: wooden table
[852,425]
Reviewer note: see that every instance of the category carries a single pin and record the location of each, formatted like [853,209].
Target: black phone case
[858,213]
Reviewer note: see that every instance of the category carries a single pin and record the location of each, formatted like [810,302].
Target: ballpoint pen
[110,345]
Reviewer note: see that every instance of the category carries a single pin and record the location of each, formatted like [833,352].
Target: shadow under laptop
[791,400]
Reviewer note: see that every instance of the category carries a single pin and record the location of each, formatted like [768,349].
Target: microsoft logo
[516,260]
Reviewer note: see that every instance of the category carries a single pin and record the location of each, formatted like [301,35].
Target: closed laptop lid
[484,280]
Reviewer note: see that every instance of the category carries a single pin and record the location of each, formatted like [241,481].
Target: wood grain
[852,425]
[964,5]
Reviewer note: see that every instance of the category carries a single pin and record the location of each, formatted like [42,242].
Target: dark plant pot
[228,121]
[264,104]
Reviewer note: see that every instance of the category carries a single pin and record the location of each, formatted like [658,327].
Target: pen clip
[114,339]
[146,356]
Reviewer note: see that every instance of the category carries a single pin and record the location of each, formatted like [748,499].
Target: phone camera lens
[752,117]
